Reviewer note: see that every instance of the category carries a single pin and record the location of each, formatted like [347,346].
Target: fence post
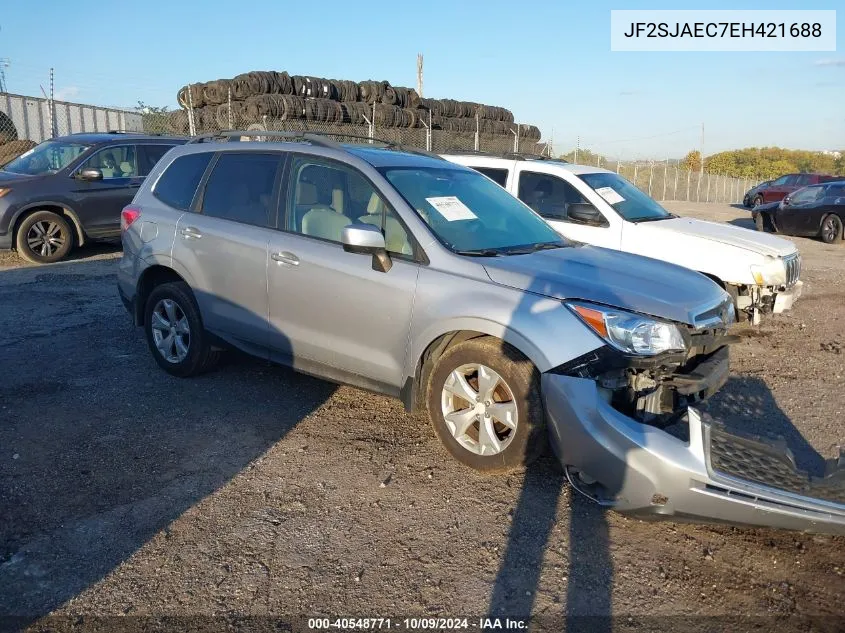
[665,176]
[430,133]
[477,145]
[636,165]
[725,187]
[52,107]
[689,175]
[708,187]
[617,165]
[650,176]
[192,130]
[675,189]
[698,186]
[231,124]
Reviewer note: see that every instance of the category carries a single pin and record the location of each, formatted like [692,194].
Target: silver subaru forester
[396,271]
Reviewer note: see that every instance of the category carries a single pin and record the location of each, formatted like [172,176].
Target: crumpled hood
[613,278]
[763,243]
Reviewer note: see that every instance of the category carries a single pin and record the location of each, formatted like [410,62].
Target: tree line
[766,163]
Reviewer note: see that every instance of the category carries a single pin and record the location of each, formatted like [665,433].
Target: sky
[549,62]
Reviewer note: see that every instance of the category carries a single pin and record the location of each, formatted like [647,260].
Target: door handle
[285,257]
[190,233]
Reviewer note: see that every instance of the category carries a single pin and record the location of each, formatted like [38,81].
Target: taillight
[128,216]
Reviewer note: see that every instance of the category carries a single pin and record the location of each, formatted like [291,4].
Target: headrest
[337,200]
[375,205]
[306,193]
[126,167]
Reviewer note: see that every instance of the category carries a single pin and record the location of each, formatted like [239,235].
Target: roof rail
[230,135]
[314,137]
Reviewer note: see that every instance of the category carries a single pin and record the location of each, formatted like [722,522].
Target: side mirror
[366,239]
[584,213]
[90,174]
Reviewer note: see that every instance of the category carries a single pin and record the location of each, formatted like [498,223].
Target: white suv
[599,207]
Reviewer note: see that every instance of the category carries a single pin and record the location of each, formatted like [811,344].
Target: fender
[540,327]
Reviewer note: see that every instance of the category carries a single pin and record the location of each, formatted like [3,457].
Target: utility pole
[420,74]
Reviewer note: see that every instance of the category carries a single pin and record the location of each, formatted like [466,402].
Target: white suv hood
[762,243]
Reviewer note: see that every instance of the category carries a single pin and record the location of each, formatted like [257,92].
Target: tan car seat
[396,239]
[324,221]
[126,169]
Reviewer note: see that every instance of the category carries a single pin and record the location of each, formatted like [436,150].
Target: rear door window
[149,155]
[242,187]
[178,184]
[499,176]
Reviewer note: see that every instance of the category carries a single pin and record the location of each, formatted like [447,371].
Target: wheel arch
[424,356]
[153,276]
[58,208]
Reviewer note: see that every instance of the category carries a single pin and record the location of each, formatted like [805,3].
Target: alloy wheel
[45,238]
[829,230]
[479,409]
[171,332]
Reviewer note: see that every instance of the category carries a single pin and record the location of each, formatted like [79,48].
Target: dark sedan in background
[815,211]
[775,190]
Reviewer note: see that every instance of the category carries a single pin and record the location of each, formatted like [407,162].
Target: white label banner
[722,30]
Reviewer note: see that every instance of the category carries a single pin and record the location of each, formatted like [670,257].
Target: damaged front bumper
[715,476]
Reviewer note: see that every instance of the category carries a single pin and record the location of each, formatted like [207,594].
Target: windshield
[628,201]
[46,158]
[470,213]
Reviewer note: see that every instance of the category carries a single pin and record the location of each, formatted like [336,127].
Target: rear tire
[175,333]
[831,230]
[44,237]
[498,424]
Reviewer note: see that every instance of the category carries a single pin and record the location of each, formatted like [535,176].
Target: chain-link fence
[668,180]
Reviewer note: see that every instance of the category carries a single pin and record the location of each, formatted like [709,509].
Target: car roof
[98,138]
[387,157]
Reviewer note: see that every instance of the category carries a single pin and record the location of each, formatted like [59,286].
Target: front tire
[760,222]
[484,403]
[831,230]
[758,200]
[44,237]
[175,333]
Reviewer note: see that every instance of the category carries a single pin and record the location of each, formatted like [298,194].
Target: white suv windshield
[46,158]
[628,201]
[471,214]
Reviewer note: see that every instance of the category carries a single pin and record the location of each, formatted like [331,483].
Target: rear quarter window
[178,184]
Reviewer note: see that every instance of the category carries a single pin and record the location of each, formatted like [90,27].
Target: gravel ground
[257,491]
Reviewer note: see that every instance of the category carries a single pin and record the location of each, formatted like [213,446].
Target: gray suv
[399,272]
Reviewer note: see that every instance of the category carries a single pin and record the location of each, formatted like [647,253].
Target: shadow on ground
[99,448]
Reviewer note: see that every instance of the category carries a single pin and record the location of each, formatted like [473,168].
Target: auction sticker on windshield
[610,195]
[451,208]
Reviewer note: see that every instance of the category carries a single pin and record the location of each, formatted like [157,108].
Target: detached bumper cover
[715,477]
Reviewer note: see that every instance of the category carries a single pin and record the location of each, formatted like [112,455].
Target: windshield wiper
[668,216]
[480,252]
[533,248]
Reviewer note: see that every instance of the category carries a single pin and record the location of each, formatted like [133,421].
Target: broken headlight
[629,332]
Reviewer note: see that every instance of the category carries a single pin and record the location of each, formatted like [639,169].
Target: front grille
[769,464]
[793,268]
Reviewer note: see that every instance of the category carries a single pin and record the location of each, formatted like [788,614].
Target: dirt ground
[257,491]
